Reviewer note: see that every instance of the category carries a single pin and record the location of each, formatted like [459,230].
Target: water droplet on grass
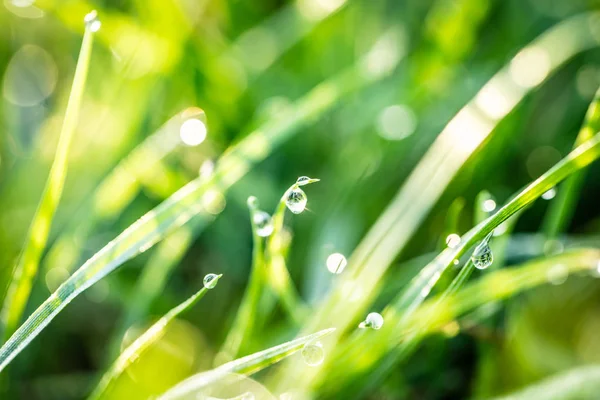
[296,200]
[489,205]
[192,132]
[374,321]
[263,223]
[336,263]
[313,354]
[550,194]
[482,257]
[91,21]
[210,281]
[452,240]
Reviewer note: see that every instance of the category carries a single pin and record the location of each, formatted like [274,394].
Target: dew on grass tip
[336,263]
[91,21]
[296,200]
[263,223]
[482,257]
[550,194]
[374,321]
[210,281]
[305,180]
[313,354]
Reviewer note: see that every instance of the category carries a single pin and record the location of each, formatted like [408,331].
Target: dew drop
[550,194]
[192,132]
[482,257]
[252,202]
[263,223]
[296,200]
[374,321]
[210,281]
[92,22]
[305,180]
[452,240]
[336,263]
[313,354]
[489,205]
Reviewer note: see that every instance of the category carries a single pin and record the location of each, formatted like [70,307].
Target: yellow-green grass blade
[189,200]
[135,349]
[577,383]
[27,264]
[562,207]
[118,189]
[453,147]
[245,366]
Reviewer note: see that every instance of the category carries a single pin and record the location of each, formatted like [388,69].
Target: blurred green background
[245,62]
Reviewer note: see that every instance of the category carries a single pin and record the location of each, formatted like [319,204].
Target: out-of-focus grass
[356,93]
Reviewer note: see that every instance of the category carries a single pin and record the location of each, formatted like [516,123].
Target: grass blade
[562,208]
[245,365]
[150,336]
[187,202]
[37,237]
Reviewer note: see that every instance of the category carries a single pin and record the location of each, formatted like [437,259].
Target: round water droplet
[452,240]
[550,194]
[263,223]
[210,281]
[482,256]
[91,21]
[336,263]
[296,200]
[313,354]
[192,132]
[374,321]
[489,205]
[252,202]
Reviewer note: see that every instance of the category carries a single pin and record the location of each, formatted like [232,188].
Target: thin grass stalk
[27,264]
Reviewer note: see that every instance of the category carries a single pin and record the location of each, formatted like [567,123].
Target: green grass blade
[150,336]
[562,207]
[37,237]
[187,202]
[577,383]
[245,365]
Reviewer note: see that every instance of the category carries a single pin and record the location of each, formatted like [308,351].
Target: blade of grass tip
[455,144]
[37,237]
[561,209]
[187,201]
[245,365]
[576,383]
[243,324]
[153,278]
[150,336]
[118,189]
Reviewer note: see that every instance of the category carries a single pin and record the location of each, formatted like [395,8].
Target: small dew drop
[296,200]
[374,321]
[92,22]
[252,202]
[303,180]
[263,223]
[550,194]
[489,205]
[482,257]
[452,240]
[313,354]
[210,281]
[336,263]
[455,262]
[192,132]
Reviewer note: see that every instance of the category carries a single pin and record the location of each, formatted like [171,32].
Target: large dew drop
[313,354]
[374,321]
[336,263]
[92,22]
[210,281]
[263,223]
[296,200]
[482,257]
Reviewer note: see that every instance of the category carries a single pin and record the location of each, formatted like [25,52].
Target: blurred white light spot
[557,274]
[550,194]
[22,3]
[23,8]
[213,202]
[385,54]
[452,240]
[467,129]
[192,132]
[30,76]
[396,122]
[530,67]
[315,10]
[207,168]
[258,48]
[493,100]
[489,205]
[336,263]
[91,21]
